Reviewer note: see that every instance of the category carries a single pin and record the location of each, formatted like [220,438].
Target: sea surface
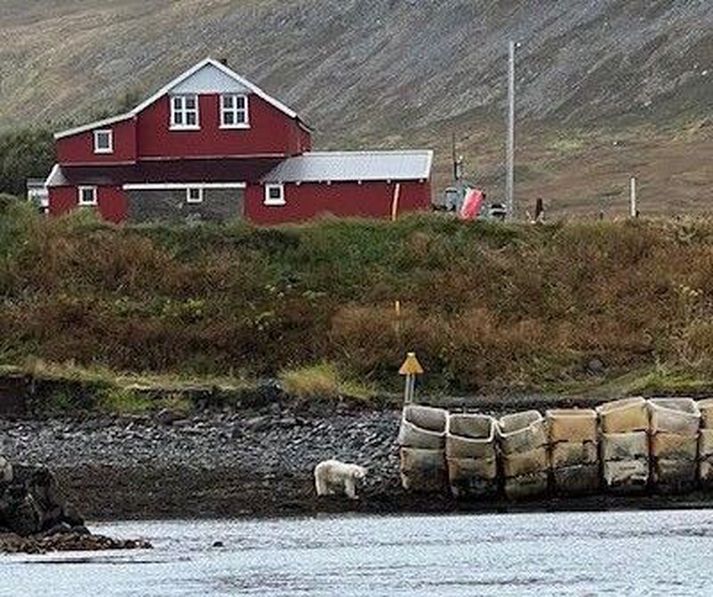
[603,553]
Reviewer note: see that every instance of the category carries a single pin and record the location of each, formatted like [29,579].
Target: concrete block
[570,454]
[572,425]
[577,480]
[625,446]
[624,416]
[423,470]
[526,486]
[533,461]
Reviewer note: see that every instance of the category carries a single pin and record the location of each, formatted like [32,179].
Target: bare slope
[382,71]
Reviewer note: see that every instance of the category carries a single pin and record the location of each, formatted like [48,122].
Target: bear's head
[360,473]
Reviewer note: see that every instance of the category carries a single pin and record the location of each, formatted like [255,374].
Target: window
[104,141]
[234,112]
[184,112]
[194,195]
[87,196]
[274,194]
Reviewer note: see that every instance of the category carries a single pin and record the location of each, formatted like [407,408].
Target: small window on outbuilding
[104,141]
[274,194]
[87,196]
[194,195]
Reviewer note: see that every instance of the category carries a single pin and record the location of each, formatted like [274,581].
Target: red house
[211,145]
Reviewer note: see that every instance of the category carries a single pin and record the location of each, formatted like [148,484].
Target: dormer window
[234,111]
[184,112]
[104,141]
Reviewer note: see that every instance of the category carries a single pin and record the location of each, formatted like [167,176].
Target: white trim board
[174,186]
[177,81]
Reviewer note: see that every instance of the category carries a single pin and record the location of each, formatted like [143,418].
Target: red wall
[112,202]
[305,201]
[270,132]
[79,149]
[346,199]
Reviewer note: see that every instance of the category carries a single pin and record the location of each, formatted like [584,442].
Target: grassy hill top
[488,308]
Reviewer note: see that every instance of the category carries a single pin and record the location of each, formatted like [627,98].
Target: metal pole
[510,151]
[632,197]
[408,389]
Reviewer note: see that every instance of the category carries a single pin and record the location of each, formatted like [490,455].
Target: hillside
[487,307]
[592,74]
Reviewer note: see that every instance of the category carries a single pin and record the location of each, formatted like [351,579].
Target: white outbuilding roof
[335,166]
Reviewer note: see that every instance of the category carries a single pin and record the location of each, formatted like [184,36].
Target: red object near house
[210,145]
[472,203]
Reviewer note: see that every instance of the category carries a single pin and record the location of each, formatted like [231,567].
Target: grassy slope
[487,307]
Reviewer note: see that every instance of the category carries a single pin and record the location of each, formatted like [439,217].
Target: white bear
[332,476]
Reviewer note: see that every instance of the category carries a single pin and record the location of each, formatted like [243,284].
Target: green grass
[487,307]
[322,381]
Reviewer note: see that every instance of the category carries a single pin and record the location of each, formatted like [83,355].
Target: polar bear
[333,476]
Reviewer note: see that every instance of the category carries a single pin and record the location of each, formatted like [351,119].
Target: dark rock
[258,423]
[167,417]
[72,516]
[595,367]
[58,529]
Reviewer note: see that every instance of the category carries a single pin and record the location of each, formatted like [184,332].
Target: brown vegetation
[485,306]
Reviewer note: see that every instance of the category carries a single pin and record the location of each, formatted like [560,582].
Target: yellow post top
[411,365]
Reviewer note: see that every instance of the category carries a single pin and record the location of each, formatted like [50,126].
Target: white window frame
[272,201]
[80,193]
[184,111]
[235,111]
[110,137]
[191,200]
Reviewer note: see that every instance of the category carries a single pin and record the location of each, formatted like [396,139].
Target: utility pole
[510,150]
[633,210]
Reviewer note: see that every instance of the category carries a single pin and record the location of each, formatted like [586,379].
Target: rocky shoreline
[243,464]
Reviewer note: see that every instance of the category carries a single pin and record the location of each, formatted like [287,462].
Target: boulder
[31,502]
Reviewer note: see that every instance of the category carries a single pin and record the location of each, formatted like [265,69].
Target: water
[616,553]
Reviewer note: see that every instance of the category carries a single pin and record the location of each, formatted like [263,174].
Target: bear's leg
[320,483]
[350,488]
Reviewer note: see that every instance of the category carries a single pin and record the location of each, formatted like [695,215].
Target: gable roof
[208,62]
[322,166]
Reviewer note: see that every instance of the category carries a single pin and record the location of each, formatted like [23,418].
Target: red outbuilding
[212,146]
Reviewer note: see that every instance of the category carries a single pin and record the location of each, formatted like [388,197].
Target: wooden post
[632,198]
[395,202]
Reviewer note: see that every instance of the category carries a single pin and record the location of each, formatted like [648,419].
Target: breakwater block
[422,437]
[525,458]
[423,470]
[574,452]
[674,431]
[624,445]
[471,454]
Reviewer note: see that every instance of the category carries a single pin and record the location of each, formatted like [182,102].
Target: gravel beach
[253,463]
[215,464]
